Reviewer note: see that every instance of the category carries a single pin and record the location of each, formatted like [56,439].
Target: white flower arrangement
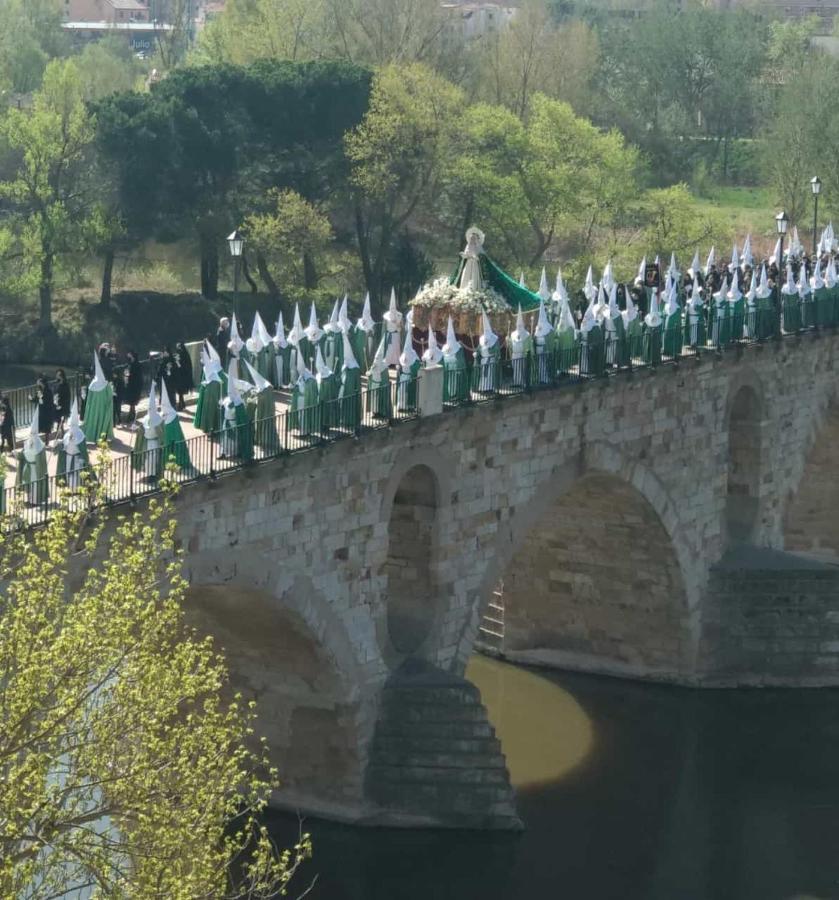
[441,294]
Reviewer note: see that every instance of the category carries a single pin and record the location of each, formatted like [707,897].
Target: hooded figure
[304,412]
[737,308]
[520,346]
[796,248]
[832,313]
[364,335]
[299,344]
[409,367]
[175,447]
[147,455]
[694,269]
[73,457]
[764,324]
[521,280]
[633,327]
[393,329]
[207,416]
[672,345]
[333,341]
[236,430]
[282,355]
[617,350]
[379,404]
[805,296]
[544,290]
[776,253]
[566,335]
[314,336]
[695,334]
[746,258]
[588,288]
[641,277]
[99,408]
[592,350]
[433,355]
[822,302]
[455,379]
[720,316]
[790,306]
[710,261]
[652,333]
[544,345]
[260,409]
[327,382]
[488,369]
[263,361]
[32,466]
[560,293]
[235,344]
[349,395]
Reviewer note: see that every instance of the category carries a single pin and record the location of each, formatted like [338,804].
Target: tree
[533,54]
[123,770]
[398,155]
[30,35]
[290,240]
[50,192]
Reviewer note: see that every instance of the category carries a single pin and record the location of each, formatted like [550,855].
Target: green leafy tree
[289,240]
[30,35]
[124,771]
[398,155]
[51,192]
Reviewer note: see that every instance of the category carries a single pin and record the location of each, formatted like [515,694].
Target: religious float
[477,285]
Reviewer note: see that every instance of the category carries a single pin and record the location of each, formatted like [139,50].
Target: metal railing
[209,456]
[295,431]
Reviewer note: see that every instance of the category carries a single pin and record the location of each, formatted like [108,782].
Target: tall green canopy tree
[30,35]
[52,192]
[126,769]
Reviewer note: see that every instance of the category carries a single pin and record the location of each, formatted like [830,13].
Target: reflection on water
[564,737]
[657,793]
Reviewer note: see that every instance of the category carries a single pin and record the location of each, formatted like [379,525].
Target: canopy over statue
[477,285]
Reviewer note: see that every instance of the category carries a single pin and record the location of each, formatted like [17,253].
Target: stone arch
[744,417]
[811,517]
[597,500]
[286,651]
[411,505]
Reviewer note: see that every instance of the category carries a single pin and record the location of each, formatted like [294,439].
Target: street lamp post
[781,223]
[236,243]
[815,187]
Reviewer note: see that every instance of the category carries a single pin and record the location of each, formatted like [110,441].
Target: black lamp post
[237,245]
[816,188]
[781,223]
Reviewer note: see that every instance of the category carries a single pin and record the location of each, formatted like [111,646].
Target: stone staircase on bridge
[435,759]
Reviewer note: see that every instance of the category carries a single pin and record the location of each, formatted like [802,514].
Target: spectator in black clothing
[133,385]
[7,426]
[43,398]
[184,382]
[222,339]
[166,371]
[63,399]
[84,382]
[118,384]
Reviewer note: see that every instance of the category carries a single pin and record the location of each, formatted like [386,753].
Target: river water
[628,791]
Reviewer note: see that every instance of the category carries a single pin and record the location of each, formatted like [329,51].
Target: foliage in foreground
[123,770]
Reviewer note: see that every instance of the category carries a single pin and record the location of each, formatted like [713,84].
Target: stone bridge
[640,526]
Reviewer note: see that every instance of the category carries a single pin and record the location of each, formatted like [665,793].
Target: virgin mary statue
[471,272]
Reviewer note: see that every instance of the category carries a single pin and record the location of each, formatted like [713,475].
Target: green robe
[237,434]
[333,349]
[808,311]
[327,398]
[207,415]
[617,346]
[360,341]
[737,313]
[652,345]
[720,323]
[567,349]
[406,392]
[791,312]
[673,334]
[261,413]
[829,307]
[544,358]
[281,375]
[592,352]
[349,394]
[99,415]
[521,355]
[145,458]
[304,413]
[455,378]
[175,448]
[379,403]
[32,478]
[765,324]
[80,463]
